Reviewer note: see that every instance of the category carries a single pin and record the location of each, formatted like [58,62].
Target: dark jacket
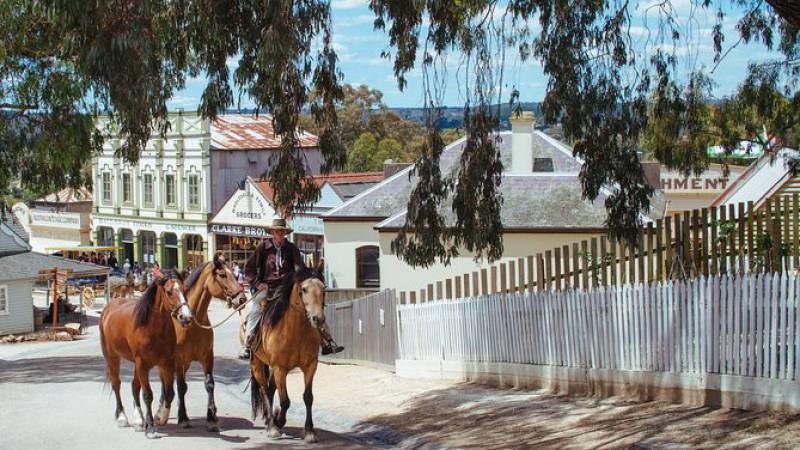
[261,266]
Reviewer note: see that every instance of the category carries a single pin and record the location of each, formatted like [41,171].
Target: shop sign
[157,227]
[238,230]
[246,207]
[307,225]
[711,181]
[70,221]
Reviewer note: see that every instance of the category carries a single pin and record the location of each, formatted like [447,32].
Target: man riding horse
[274,260]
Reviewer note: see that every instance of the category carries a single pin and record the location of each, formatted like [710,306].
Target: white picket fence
[746,325]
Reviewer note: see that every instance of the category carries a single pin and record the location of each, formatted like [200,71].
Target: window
[147,181]
[106,187]
[3,300]
[126,188]
[194,191]
[170,188]
[368,273]
[543,164]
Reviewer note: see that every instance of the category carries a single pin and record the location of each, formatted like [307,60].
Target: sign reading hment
[712,180]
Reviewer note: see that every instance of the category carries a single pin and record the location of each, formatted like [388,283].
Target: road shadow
[474,417]
[293,438]
[71,369]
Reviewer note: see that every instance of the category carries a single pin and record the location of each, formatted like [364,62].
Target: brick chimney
[522,142]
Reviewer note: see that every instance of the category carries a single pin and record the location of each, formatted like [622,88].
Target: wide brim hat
[279,224]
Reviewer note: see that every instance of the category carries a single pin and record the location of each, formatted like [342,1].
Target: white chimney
[522,142]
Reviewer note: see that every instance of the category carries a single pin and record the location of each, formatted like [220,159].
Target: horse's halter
[228,295]
[173,309]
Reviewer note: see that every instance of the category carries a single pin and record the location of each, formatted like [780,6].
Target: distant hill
[453,117]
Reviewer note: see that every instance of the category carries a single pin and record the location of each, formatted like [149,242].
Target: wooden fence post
[585,256]
[576,264]
[493,279]
[595,263]
[429,294]
[439,293]
[603,261]
[512,276]
[541,284]
[557,268]
[521,272]
[548,269]
[503,278]
[484,282]
[448,288]
[531,282]
[458,286]
[413,297]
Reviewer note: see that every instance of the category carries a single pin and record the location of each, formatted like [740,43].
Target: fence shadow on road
[72,369]
[468,416]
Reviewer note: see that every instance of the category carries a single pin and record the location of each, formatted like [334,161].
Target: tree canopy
[61,62]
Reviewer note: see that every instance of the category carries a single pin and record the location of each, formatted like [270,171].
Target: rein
[235,310]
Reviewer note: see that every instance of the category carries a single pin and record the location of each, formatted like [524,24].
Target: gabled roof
[26,266]
[11,243]
[68,195]
[248,131]
[762,178]
[342,183]
[9,219]
[538,200]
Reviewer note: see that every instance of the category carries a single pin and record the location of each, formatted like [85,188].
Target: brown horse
[196,343]
[289,339]
[142,331]
[120,287]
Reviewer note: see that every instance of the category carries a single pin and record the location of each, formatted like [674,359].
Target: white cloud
[348,4]
[363,19]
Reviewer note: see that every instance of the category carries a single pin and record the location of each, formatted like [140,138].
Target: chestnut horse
[142,331]
[195,342]
[289,339]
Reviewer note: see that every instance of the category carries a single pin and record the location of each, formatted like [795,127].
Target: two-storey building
[158,209]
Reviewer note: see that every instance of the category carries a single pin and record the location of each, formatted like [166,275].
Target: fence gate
[366,327]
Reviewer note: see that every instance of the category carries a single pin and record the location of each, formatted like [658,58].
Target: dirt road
[54,397]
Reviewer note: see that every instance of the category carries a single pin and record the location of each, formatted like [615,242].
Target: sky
[359,47]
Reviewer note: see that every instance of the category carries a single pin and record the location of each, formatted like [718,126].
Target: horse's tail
[257,401]
[103,349]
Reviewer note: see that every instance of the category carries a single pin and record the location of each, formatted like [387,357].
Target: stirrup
[245,353]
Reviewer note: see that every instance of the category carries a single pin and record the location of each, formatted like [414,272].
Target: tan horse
[289,339]
[196,343]
[142,331]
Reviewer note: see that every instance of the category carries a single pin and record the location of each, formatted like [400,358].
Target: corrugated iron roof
[248,131]
[68,195]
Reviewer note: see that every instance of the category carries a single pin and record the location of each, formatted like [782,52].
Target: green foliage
[360,158]
[63,61]
[362,110]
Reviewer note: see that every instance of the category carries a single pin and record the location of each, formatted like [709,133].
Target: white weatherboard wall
[396,274]
[20,308]
[341,241]
[727,340]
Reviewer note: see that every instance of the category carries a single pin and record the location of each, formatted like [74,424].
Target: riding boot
[329,346]
[247,352]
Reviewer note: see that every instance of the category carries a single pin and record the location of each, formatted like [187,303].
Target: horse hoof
[310,437]
[212,427]
[185,424]
[152,435]
[162,416]
[122,421]
[274,433]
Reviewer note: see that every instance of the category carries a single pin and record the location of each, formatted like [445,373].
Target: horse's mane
[141,312]
[275,310]
[187,285]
